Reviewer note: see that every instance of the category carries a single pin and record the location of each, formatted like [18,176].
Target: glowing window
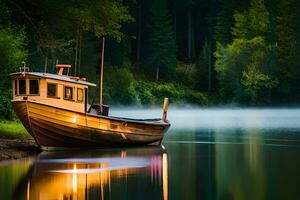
[68,94]
[79,94]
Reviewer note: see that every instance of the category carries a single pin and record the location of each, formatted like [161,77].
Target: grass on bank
[13,130]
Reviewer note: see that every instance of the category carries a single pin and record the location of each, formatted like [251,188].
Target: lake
[207,154]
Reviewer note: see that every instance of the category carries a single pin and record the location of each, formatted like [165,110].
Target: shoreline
[12,149]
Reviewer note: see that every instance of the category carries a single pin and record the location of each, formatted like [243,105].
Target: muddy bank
[17,148]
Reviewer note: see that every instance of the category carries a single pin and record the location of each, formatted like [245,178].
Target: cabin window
[79,95]
[68,93]
[51,90]
[22,86]
[34,86]
[16,87]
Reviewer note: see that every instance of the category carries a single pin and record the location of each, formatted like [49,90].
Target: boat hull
[57,128]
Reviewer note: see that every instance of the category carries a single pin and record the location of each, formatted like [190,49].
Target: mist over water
[208,119]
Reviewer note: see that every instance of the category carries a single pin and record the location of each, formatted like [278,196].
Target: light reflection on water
[238,157]
[94,175]
[111,164]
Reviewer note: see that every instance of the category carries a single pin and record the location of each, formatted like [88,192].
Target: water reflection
[227,155]
[106,174]
[236,164]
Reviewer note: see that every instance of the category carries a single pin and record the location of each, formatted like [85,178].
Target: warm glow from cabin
[74,179]
[74,119]
[74,182]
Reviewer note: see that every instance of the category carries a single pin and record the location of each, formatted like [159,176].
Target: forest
[196,52]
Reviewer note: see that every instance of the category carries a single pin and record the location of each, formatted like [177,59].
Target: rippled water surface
[207,154]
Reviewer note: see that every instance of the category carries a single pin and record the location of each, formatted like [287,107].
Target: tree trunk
[76,52]
[209,69]
[190,35]
[157,71]
[175,18]
[79,56]
[46,63]
[211,22]
[139,35]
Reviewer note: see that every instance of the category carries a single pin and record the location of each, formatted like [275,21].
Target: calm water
[207,154]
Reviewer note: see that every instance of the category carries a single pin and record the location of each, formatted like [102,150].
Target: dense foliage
[12,53]
[194,51]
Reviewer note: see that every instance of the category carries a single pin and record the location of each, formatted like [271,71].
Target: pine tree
[225,19]
[224,22]
[286,43]
[202,70]
[297,73]
[160,55]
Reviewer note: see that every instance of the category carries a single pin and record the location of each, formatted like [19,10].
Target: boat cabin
[57,90]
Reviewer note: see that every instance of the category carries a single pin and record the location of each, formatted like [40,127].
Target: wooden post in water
[166,105]
[101,75]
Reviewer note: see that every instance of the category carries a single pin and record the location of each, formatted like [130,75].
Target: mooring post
[166,105]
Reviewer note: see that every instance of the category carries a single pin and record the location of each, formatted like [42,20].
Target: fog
[204,118]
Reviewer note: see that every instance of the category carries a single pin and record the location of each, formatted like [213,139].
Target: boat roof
[55,77]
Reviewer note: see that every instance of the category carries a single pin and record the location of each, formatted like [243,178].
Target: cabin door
[85,99]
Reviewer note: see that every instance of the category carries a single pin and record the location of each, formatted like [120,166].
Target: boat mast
[101,75]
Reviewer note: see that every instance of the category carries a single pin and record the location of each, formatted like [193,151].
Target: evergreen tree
[202,70]
[190,30]
[286,44]
[225,19]
[297,73]
[224,22]
[160,56]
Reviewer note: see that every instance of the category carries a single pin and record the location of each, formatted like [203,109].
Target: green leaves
[4,13]
[254,82]
[244,67]
[253,22]
[12,53]
[103,18]
[234,60]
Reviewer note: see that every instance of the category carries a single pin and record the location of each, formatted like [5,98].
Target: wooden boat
[55,111]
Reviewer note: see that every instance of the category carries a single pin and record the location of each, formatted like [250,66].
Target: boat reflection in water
[114,174]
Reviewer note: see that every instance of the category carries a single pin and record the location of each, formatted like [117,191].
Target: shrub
[12,53]
[153,93]
[117,85]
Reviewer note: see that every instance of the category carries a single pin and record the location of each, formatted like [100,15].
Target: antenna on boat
[23,68]
[101,75]
[166,105]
